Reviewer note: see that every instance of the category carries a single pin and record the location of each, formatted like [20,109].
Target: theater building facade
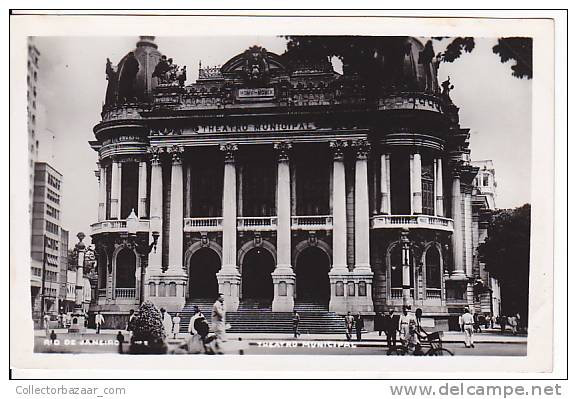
[283,182]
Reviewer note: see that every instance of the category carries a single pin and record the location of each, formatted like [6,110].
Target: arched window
[162,289]
[433,267]
[350,288]
[172,289]
[151,289]
[126,269]
[396,267]
[339,289]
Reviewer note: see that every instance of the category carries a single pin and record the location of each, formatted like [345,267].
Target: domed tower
[131,80]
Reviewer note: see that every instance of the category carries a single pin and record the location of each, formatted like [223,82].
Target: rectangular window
[485,180]
[206,182]
[129,189]
[400,184]
[313,169]
[259,185]
[427,186]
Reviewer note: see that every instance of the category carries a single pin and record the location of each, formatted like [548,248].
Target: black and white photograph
[291,194]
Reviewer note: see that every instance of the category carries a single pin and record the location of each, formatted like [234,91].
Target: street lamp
[142,247]
[78,317]
[406,252]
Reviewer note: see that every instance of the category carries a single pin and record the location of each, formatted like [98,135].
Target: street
[282,345]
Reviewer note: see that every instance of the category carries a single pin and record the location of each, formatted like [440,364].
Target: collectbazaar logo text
[256,127]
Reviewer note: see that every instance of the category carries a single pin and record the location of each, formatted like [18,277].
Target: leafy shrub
[148,333]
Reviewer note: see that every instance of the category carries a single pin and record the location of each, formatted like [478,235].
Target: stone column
[468,238]
[101,192]
[417,185]
[406,265]
[385,184]
[228,276]
[155,257]
[115,190]
[176,211]
[361,207]
[458,268]
[339,271]
[283,272]
[440,207]
[142,189]
[362,271]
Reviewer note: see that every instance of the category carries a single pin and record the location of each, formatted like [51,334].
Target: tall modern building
[46,240]
[285,185]
[32,95]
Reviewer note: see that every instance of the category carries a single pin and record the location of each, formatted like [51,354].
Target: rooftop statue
[447,87]
[426,59]
[112,77]
[168,73]
[256,67]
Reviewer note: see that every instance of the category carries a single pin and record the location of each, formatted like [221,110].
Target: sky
[495,105]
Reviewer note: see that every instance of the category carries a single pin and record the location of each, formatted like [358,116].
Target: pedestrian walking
[176,324]
[467,322]
[390,326]
[380,322]
[296,322]
[120,339]
[349,321]
[130,323]
[404,320]
[476,323]
[46,321]
[503,323]
[166,321]
[359,325]
[514,324]
[197,330]
[52,337]
[98,320]
[219,322]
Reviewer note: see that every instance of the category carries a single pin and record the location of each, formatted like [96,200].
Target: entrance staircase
[256,316]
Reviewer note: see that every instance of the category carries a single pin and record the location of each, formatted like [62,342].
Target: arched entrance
[257,266]
[312,279]
[126,269]
[203,267]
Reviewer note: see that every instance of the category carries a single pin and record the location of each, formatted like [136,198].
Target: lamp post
[406,252]
[143,248]
[78,317]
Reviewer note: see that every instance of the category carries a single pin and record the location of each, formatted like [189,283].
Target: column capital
[283,149]
[176,151]
[229,150]
[338,147]
[155,153]
[362,148]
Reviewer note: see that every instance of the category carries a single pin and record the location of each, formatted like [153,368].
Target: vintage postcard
[276,195]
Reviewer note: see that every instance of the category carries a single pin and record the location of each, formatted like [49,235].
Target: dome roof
[132,79]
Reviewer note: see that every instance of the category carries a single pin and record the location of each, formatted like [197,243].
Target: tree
[363,50]
[506,256]
[518,49]
[148,332]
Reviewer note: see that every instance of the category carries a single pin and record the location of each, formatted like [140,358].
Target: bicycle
[434,343]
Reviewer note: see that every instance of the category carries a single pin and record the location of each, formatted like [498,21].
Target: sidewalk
[369,338]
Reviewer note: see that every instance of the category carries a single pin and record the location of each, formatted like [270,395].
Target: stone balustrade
[411,221]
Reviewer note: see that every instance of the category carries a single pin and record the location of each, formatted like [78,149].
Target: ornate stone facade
[286,184]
